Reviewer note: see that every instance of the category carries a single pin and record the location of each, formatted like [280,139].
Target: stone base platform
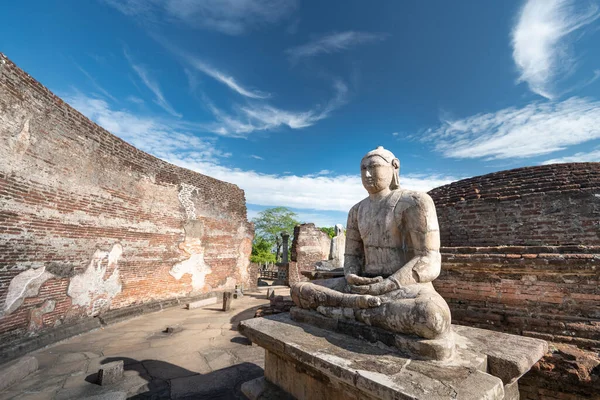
[309,362]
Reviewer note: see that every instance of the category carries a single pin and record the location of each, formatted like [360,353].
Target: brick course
[71,191]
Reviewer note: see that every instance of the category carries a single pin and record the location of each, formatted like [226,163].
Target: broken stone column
[284,255]
[338,245]
[110,373]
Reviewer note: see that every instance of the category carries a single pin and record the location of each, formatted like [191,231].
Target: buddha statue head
[380,170]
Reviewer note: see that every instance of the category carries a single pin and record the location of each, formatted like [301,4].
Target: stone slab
[337,363]
[201,303]
[412,346]
[509,356]
[110,373]
[16,371]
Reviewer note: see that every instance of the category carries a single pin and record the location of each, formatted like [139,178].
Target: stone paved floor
[207,359]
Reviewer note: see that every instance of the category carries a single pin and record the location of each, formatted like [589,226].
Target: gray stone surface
[17,370]
[355,366]
[110,373]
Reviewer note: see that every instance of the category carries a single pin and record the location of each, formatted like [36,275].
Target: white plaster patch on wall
[196,267]
[26,284]
[229,283]
[90,289]
[185,198]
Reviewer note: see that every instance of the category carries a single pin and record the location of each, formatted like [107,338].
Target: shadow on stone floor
[170,381]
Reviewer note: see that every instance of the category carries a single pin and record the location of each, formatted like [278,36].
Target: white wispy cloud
[228,80]
[261,117]
[180,147]
[232,17]
[536,129]
[333,43]
[161,138]
[151,84]
[256,157]
[592,156]
[541,40]
[135,99]
[96,84]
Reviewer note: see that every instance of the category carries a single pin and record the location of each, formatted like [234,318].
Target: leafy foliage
[270,223]
[262,251]
[328,230]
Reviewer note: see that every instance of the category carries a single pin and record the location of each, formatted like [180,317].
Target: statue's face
[376,174]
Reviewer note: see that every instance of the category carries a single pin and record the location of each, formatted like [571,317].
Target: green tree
[270,223]
[328,230]
[262,251]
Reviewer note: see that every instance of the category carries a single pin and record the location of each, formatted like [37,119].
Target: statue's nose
[367,173]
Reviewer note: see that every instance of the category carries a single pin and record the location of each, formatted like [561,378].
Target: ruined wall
[521,251]
[88,223]
[309,246]
[521,254]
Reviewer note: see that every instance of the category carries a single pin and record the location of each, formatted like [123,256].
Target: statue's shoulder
[409,198]
[357,205]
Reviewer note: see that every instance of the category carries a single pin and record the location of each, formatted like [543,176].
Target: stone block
[201,303]
[227,296]
[309,362]
[16,371]
[110,373]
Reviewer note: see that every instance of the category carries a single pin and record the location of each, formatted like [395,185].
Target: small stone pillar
[284,256]
[227,301]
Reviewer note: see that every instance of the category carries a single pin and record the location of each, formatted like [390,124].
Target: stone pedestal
[309,362]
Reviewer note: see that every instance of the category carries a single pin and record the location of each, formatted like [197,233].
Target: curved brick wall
[521,254]
[521,251]
[551,205]
[90,224]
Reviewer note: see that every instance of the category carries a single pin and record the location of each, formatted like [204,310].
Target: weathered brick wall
[547,205]
[521,251]
[88,223]
[521,254]
[309,246]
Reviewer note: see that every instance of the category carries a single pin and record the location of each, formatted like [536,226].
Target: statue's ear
[396,163]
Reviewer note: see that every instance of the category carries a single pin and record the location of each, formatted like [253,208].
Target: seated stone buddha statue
[391,257]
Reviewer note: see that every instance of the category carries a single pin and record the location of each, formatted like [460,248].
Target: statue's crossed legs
[414,309]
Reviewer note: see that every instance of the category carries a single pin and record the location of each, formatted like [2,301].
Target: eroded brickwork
[521,254]
[88,223]
[309,246]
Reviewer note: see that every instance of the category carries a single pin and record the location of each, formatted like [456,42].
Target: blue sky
[283,97]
